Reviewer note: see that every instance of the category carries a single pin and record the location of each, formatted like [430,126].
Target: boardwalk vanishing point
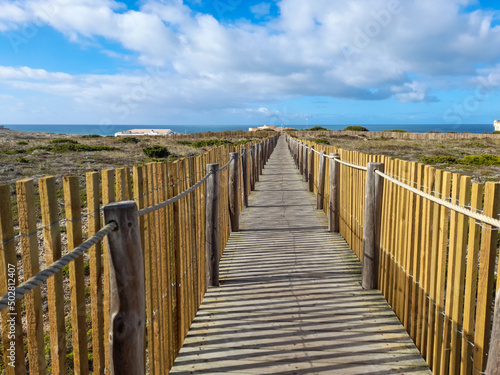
[290,299]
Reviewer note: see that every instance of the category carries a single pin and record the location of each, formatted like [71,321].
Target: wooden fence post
[321,181]
[301,158]
[373,213]
[252,168]
[493,367]
[310,168]
[306,169]
[257,162]
[127,290]
[212,225]
[261,158]
[233,192]
[244,165]
[334,203]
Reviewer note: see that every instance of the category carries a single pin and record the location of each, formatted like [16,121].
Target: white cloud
[357,49]
[261,10]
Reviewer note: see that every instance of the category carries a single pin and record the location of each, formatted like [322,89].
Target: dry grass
[414,150]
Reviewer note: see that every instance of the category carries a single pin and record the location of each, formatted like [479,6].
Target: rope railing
[355,166]
[161,205]
[462,210]
[55,267]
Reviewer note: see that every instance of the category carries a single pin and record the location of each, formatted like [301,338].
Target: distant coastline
[110,130]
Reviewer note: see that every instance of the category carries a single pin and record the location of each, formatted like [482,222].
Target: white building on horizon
[151,132]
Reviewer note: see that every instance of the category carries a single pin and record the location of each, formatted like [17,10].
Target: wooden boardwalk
[290,300]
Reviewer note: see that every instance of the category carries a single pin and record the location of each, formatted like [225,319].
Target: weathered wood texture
[127,289]
[290,300]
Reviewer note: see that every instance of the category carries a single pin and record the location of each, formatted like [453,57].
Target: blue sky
[174,62]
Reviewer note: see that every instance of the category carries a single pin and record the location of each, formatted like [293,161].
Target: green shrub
[13,152]
[63,140]
[356,128]
[211,143]
[129,140]
[267,130]
[22,143]
[496,132]
[243,141]
[86,136]
[317,128]
[439,159]
[481,160]
[432,132]
[321,141]
[184,143]
[160,152]
[23,160]
[71,147]
[398,131]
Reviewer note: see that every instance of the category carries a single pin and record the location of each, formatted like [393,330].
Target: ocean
[105,130]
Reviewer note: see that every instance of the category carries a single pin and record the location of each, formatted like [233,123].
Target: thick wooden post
[252,168]
[301,158]
[493,367]
[261,157]
[310,168]
[321,181]
[257,162]
[334,204]
[373,213]
[127,318]
[233,192]
[212,225]
[244,174]
[306,170]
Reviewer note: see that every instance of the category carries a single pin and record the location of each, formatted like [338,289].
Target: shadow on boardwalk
[290,300]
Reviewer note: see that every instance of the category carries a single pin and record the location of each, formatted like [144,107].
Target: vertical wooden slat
[95,265]
[13,354]
[108,196]
[155,323]
[433,269]
[173,212]
[138,197]
[417,255]
[55,292]
[441,272]
[76,275]
[485,288]
[29,251]
[471,274]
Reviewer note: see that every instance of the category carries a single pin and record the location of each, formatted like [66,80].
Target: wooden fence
[392,135]
[436,266]
[62,326]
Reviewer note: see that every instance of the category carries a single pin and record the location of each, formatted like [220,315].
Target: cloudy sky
[249,62]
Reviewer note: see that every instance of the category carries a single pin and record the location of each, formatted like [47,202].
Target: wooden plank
[441,272]
[173,250]
[121,184]
[470,290]
[76,274]
[433,268]
[486,286]
[146,239]
[153,243]
[29,251]
[425,269]
[55,292]
[13,348]
[108,196]
[417,254]
[458,283]
[95,265]
[410,263]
